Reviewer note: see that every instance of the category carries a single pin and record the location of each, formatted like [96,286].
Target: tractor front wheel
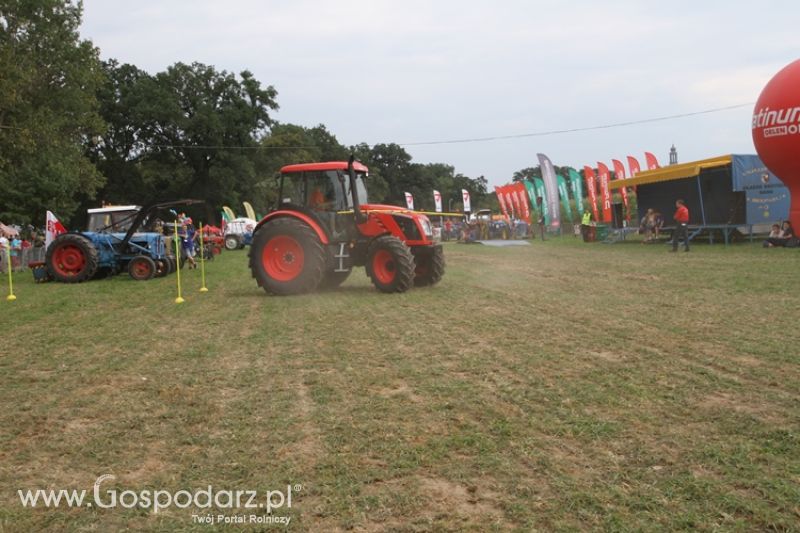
[287,257]
[71,258]
[142,268]
[390,264]
[430,267]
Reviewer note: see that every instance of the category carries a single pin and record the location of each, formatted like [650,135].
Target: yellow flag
[249,210]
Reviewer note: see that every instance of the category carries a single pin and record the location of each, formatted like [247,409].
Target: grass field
[558,386]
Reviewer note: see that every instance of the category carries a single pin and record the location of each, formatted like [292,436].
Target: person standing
[646,225]
[188,241]
[3,253]
[16,252]
[586,225]
[541,219]
[681,218]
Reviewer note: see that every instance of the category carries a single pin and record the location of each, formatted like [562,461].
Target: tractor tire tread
[89,251]
[403,259]
[314,257]
[434,271]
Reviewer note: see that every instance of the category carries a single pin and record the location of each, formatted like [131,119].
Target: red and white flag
[523,201]
[437,200]
[619,172]
[605,191]
[501,200]
[465,197]
[633,165]
[53,228]
[652,162]
[409,200]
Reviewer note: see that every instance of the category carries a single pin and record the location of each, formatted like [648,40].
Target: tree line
[76,131]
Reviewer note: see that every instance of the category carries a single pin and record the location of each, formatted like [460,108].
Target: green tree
[391,162]
[286,144]
[119,151]
[48,109]
[190,131]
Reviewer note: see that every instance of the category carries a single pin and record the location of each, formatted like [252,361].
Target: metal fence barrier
[25,256]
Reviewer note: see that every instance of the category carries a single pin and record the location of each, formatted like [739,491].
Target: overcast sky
[415,71]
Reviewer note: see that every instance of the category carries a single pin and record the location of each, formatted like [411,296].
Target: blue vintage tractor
[113,243]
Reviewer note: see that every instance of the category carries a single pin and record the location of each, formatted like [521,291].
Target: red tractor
[323,226]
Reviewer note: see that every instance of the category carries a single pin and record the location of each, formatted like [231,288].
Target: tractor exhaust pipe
[359,215]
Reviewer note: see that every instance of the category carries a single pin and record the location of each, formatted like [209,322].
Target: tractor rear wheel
[71,258]
[171,267]
[142,268]
[232,242]
[430,268]
[287,257]
[390,264]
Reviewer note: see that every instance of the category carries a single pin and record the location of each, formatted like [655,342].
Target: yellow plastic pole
[179,299]
[202,262]
[10,296]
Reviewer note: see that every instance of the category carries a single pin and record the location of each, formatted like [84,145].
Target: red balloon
[776,132]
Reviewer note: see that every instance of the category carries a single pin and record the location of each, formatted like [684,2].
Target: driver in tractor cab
[317,199]
[322,199]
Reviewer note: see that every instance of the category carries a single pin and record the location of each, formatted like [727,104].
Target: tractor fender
[312,223]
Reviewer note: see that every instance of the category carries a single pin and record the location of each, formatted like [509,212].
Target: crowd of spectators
[20,246]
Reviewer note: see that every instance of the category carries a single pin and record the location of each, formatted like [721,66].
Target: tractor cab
[114,219]
[321,186]
[324,190]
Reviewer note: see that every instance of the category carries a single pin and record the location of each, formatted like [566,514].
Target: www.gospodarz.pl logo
[777,123]
[158,500]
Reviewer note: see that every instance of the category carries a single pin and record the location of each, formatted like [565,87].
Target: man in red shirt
[681,217]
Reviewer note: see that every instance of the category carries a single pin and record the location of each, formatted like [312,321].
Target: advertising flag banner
[409,201]
[605,191]
[633,166]
[498,191]
[248,208]
[514,193]
[652,162]
[541,207]
[550,189]
[467,203]
[577,189]
[530,188]
[437,201]
[564,193]
[228,211]
[522,191]
[619,172]
[53,228]
[591,188]
[506,192]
